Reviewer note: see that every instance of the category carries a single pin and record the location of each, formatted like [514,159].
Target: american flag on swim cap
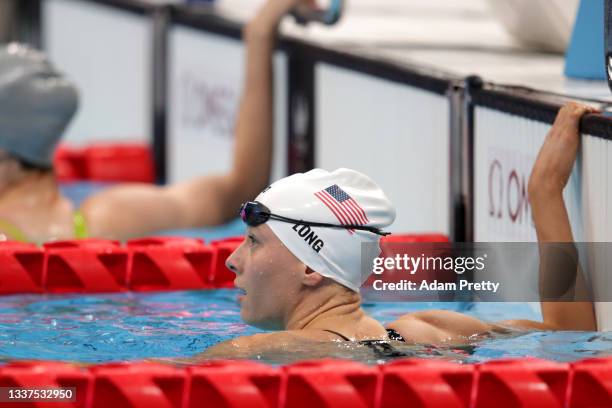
[342,205]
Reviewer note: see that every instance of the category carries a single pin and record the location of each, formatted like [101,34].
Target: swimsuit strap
[342,336]
[80,225]
[381,348]
[393,335]
[16,234]
[12,231]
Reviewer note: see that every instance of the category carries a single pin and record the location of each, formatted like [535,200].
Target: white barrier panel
[107,53]
[505,148]
[396,134]
[205,82]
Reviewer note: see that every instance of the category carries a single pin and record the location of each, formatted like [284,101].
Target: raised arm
[549,177]
[134,209]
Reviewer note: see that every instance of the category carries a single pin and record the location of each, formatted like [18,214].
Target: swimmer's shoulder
[257,344]
[439,327]
[9,231]
[37,224]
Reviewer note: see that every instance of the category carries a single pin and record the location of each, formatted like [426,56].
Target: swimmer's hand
[265,23]
[291,4]
[305,5]
[554,163]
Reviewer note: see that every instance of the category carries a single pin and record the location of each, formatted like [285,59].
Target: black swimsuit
[393,335]
[382,348]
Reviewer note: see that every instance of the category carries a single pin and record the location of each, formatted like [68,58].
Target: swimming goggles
[254,213]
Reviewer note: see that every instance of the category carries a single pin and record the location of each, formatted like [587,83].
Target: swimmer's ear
[312,278]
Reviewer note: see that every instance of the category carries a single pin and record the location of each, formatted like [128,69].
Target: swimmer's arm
[445,327]
[549,177]
[550,174]
[214,200]
[438,327]
[137,209]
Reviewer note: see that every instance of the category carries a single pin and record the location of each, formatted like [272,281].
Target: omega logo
[207,106]
[508,194]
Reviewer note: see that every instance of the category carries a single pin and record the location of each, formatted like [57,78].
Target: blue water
[123,326]
[133,326]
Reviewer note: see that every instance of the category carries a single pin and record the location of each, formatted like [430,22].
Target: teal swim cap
[36,105]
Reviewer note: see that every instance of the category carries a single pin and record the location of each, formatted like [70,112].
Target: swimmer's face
[271,277]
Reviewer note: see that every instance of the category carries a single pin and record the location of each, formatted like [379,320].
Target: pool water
[133,326]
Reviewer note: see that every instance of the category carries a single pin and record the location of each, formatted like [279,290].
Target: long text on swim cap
[309,236]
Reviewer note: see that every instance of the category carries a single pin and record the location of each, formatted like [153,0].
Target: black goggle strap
[326,225]
[258,214]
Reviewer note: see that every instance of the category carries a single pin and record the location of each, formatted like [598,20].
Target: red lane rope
[325,383]
[94,265]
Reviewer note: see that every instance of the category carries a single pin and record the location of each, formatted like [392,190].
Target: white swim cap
[341,197]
